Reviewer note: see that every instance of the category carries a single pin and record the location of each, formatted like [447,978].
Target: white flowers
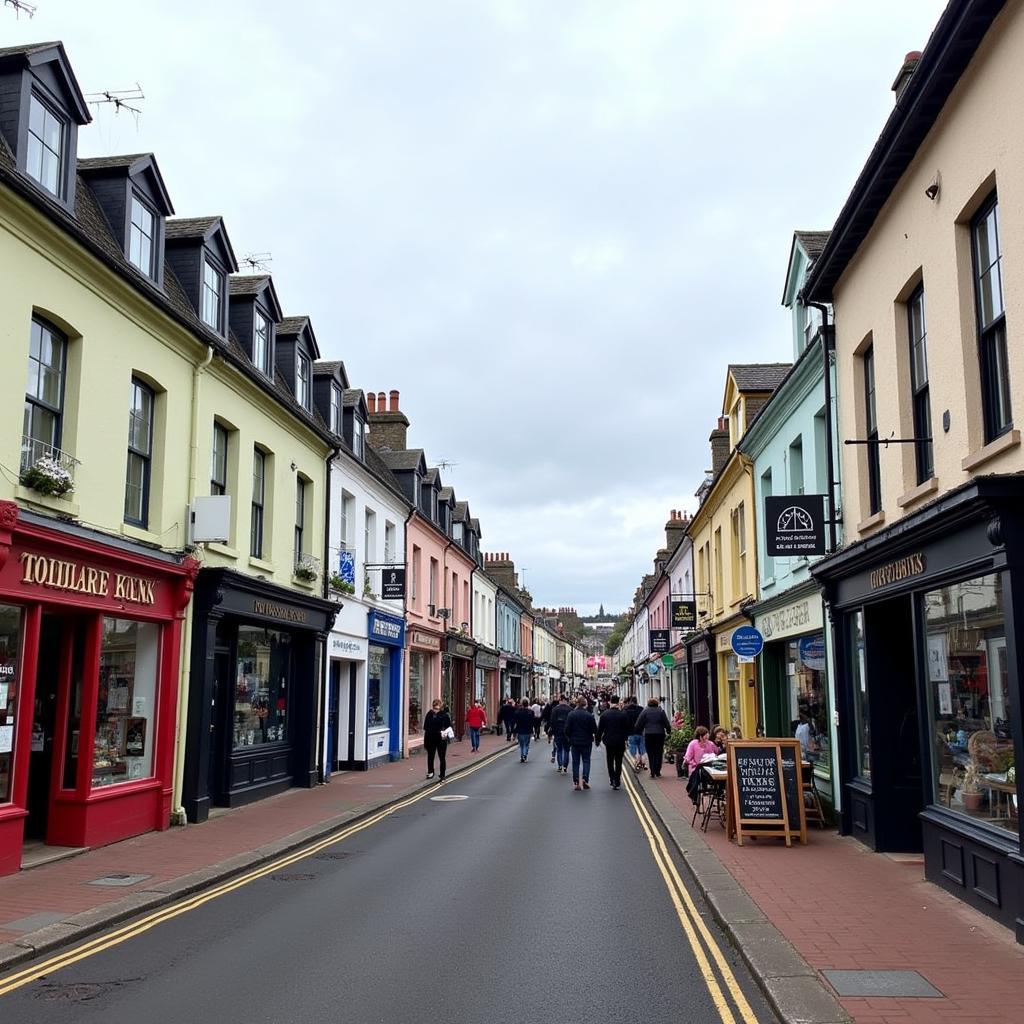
[47,476]
[307,567]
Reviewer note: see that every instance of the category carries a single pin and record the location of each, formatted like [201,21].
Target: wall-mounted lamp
[294,467]
[932,191]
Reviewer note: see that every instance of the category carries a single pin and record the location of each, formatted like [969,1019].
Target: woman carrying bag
[653,724]
[437,727]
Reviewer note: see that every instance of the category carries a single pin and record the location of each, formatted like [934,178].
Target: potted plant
[970,787]
[47,476]
[307,569]
[679,739]
[367,585]
[335,582]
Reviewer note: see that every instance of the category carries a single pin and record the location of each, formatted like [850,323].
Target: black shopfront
[925,617]
[256,660]
[702,682]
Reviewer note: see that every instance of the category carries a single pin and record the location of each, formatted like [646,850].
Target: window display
[415,692]
[859,677]
[263,670]
[969,701]
[125,702]
[732,674]
[808,707]
[10,641]
[378,688]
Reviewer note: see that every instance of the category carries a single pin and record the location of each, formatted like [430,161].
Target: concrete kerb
[77,927]
[789,983]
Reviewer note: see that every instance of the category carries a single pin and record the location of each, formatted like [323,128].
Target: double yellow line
[696,930]
[129,931]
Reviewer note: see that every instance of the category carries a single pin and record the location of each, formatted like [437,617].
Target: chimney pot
[371,401]
[382,402]
[394,401]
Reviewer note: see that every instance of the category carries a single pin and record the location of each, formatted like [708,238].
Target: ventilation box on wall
[209,519]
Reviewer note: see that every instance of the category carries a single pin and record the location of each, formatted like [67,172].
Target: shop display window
[10,646]
[969,701]
[125,702]
[808,702]
[732,675]
[859,678]
[378,697]
[263,671]
[415,693]
[479,685]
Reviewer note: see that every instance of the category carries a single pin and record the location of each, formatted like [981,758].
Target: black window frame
[336,410]
[358,438]
[993,351]
[300,516]
[256,512]
[143,456]
[871,434]
[303,380]
[920,395]
[65,133]
[219,485]
[154,237]
[259,314]
[208,261]
[34,401]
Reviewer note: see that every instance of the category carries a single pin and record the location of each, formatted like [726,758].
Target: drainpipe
[185,660]
[828,341]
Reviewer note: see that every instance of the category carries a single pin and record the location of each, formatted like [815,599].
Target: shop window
[378,689]
[10,646]
[808,704]
[126,702]
[732,675]
[261,686]
[415,693]
[969,701]
[859,677]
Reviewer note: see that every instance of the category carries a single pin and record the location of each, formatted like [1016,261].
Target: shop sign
[279,611]
[653,668]
[699,651]
[346,647]
[668,660]
[799,617]
[684,614]
[386,628]
[460,649]
[486,661]
[897,571]
[660,641]
[392,584]
[746,642]
[347,566]
[427,641]
[795,524]
[79,578]
[503,662]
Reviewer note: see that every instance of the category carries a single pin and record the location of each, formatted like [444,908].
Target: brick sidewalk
[62,888]
[845,907]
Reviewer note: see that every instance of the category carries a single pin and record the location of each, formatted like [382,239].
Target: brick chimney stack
[388,424]
[674,529]
[719,439]
[906,72]
[502,570]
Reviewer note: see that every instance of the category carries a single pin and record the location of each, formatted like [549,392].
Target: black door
[220,695]
[44,723]
[333,716]
[700,696]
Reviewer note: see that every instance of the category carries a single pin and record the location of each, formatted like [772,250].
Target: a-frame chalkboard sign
[765,790]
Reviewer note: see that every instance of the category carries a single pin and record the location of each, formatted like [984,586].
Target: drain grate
[900,984]
[291,878]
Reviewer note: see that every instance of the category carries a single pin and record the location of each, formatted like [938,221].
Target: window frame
[145,457]
[300,516]
[262,354]
[205,289]
[219,486]
[358,437]
[336,414]
[35,401]
[920,395]
[153,238]
[303,380]
[993,350]
[65,126]
[871,433]
[257,502]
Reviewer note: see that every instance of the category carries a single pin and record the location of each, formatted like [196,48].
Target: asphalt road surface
[500,897]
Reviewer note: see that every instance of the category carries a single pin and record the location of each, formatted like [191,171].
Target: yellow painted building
[725,551]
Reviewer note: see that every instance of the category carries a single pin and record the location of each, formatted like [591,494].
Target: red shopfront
[90,635]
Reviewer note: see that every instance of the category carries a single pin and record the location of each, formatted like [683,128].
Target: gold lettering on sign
[895,572]
[279,611]
[59,574]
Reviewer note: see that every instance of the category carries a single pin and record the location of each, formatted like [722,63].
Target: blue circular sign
[747,642]
[652,668]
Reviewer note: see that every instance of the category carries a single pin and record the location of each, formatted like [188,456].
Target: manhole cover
[902,984]
[331,855]
[290,878]
[119,879]
[448,797]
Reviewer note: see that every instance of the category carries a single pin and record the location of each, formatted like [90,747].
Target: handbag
[448,734]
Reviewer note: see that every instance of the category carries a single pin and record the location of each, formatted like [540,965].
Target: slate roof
[380,469]
[325,367]
[351,398]
[247,284]
[431,476]
[461,508]
[99,163]
[188,227]
[475,523]
[408,458]
[758,376]
[290,325]
[812,241]
[14,51]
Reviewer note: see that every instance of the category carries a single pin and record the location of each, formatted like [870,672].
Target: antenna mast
[118,97]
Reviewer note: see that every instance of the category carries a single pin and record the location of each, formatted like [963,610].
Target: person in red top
[476,719]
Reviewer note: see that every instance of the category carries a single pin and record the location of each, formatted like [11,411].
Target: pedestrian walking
[507,717]
[580,729]
[476,721]
[559,713]
[654,725]
[613,731]
[637,750]
[435,723]
[538,712]
[524,729]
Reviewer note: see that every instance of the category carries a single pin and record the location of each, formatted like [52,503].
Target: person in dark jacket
[507,717]
[580,729]
[613,731]
[545,722]
[435,723]
[654,725]
[636,738]
[556,724]
[524,728]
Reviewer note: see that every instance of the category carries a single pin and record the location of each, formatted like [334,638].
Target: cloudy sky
[549,223]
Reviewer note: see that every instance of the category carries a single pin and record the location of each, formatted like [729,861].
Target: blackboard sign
[764,794]
[660,641]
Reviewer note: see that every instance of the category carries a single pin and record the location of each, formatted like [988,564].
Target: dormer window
[357,441]
[303,381]
[140,239]
[416,490]
[336,409]
[262,337]
[457,532]
[213,297]
[46,135]
[433,504]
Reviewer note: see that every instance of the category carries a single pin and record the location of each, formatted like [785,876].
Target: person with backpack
[654,725]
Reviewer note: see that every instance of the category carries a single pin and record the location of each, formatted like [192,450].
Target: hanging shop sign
[684,614]
[795,524]
[765,796]
[746,642]
[660,640]
[699,651]
[668,660]
[347,566]
[653,668]
[392,584]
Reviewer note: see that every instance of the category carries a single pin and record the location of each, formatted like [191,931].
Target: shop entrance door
[333,716]
[702,702]
[221,700]
[461,670]
[44,725]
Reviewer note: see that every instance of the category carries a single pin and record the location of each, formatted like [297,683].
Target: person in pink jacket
[698,747]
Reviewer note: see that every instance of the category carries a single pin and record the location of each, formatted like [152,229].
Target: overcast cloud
[550,223]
